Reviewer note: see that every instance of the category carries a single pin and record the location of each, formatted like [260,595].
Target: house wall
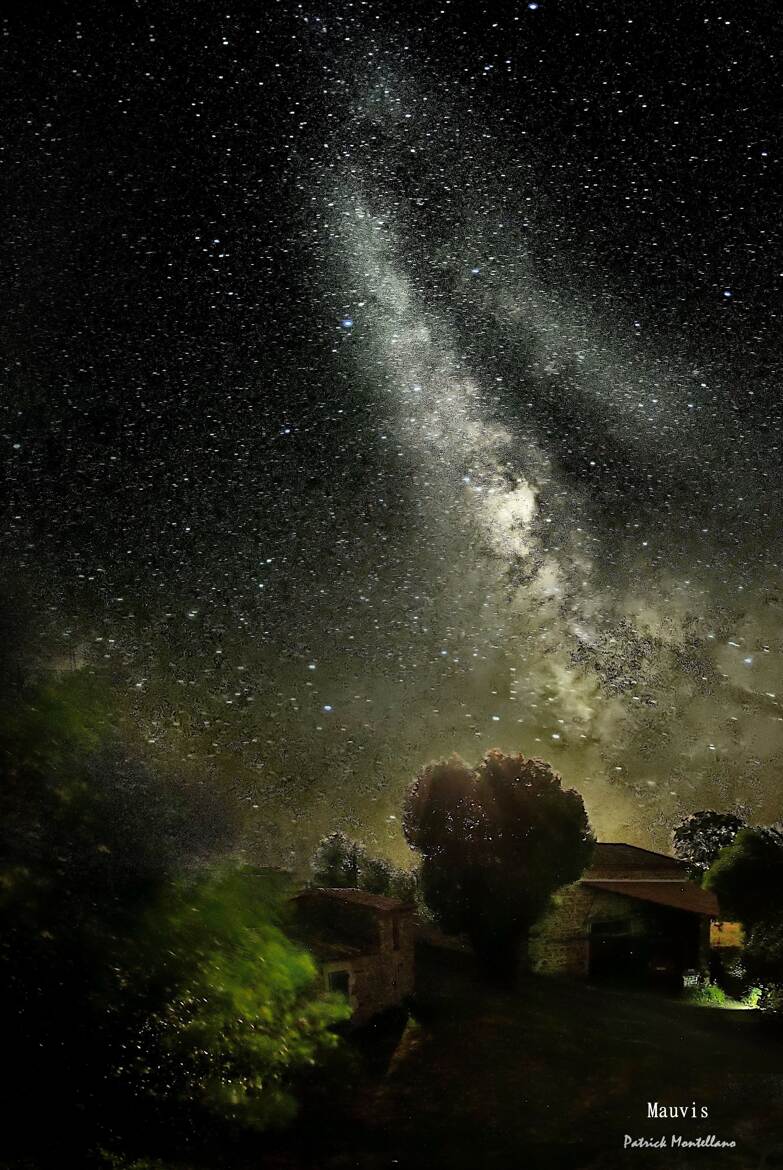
[335,918]
[383,978]
[558,943]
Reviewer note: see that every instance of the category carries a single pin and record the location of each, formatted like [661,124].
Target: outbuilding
[634,915]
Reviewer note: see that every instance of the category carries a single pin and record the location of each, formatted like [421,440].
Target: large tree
[699,838]
[496,841]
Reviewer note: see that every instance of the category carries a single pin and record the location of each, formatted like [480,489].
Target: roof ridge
[641,849]
[636,880]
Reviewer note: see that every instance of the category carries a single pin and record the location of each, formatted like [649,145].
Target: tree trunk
[496,956]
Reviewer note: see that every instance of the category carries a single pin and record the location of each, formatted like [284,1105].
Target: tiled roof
[377,902]
[680,895]
[611,858]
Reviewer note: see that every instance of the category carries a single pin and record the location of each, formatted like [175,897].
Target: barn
[634,915]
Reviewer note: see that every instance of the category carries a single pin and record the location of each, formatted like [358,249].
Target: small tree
[340,862]
[699,838]
[496,841]
[337,862]
[404,884]
[376,876]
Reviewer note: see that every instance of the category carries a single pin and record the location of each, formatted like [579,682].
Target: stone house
[364,945]
[633,914]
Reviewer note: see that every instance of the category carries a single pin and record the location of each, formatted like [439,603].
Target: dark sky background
[383,383]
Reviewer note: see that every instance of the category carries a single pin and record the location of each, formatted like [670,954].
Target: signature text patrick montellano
[692,1112]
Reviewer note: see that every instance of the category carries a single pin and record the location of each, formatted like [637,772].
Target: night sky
[383,381]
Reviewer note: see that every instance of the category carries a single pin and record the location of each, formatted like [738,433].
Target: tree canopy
[496,841]
[747,877]
[340,862]
[236,1009]
[699,838]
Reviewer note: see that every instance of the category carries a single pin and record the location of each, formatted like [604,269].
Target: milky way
[383,386]
[631,678]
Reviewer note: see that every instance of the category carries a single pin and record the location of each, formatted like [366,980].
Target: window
[340,981]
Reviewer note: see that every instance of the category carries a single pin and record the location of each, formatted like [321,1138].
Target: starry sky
[383,381]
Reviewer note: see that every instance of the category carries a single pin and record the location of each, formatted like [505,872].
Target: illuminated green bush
[707,995]
[133,969]
[239,1013]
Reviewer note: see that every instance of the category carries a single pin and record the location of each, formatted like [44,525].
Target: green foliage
[404,884]
[86,831]
[54,725]
[699,838]
[376,875]
[706,995]
[238,1012]
[729,971]
[763,954]
[496,842]
[114,1161]
[747,879]
[337,862]
[131,969]
[44,794]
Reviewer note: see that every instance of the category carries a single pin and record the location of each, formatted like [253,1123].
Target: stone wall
[383,978]
[559,944]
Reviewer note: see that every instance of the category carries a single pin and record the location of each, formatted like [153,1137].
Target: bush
[236,1013]
[706,995]
[132,968]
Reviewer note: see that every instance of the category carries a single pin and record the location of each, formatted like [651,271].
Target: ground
[552,1075]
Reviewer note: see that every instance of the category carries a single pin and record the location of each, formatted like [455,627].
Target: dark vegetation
[747,878]
[699,838]
[743,866]
[496,841]
[145,986]
[340,862]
